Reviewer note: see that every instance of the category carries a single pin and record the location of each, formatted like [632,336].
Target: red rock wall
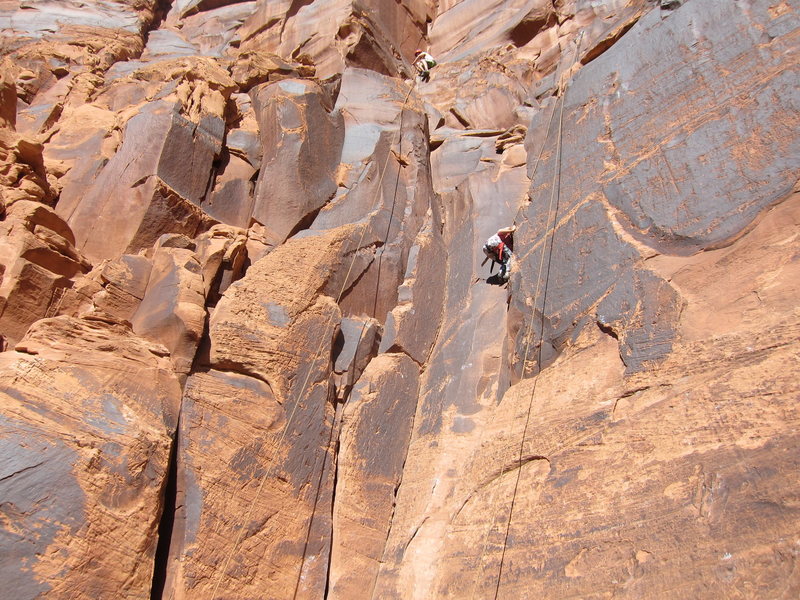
[248,347]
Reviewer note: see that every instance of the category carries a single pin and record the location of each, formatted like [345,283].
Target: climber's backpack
[495,249]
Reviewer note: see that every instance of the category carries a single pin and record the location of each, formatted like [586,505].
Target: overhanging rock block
[153,184]
[302,145]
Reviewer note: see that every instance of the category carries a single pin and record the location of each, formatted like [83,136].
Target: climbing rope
[550,231]
[532,177]
[547,228]
[364,327]
[302,388]
[551,214]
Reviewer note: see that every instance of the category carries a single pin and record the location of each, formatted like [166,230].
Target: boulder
[38,263]
[223,255]
[253,68]
[231,198]
[172,311]
[120,288]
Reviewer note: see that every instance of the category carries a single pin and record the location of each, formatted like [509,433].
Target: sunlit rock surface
[250,347]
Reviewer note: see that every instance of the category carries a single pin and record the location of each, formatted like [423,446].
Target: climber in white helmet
[423,63]
[499,249]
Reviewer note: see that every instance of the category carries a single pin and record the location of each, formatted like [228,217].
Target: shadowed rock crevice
[607,328]
[369,253]
[356,344]
[531,25]
[162,561]
[307,220]
[335,459]
[160,11]
[607,40]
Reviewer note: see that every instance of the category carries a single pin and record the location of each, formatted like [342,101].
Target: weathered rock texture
[89,413]
[249,349]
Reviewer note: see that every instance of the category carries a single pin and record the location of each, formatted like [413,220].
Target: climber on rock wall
[499,248]
[423,63]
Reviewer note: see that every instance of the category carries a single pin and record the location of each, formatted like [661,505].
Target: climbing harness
[302,388]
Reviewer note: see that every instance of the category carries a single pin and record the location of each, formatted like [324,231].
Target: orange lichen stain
[779,10]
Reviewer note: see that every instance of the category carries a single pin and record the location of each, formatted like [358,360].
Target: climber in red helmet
[423,63]
[499,249]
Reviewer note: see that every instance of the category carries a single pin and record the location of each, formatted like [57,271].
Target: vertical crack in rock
[216,165]
[329,459]
[394,501]
[165,525]
[335,459]
[162,8]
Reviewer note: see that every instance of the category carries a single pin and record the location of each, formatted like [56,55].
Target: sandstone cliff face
[248,348]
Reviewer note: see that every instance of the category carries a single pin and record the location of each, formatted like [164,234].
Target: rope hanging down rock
[550,231]
[552,215]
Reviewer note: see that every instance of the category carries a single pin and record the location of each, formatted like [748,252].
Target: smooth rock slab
[88,413]
[145,189]
[638,179]
[377,423]
[249,501]
[302,144]
[384,182]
